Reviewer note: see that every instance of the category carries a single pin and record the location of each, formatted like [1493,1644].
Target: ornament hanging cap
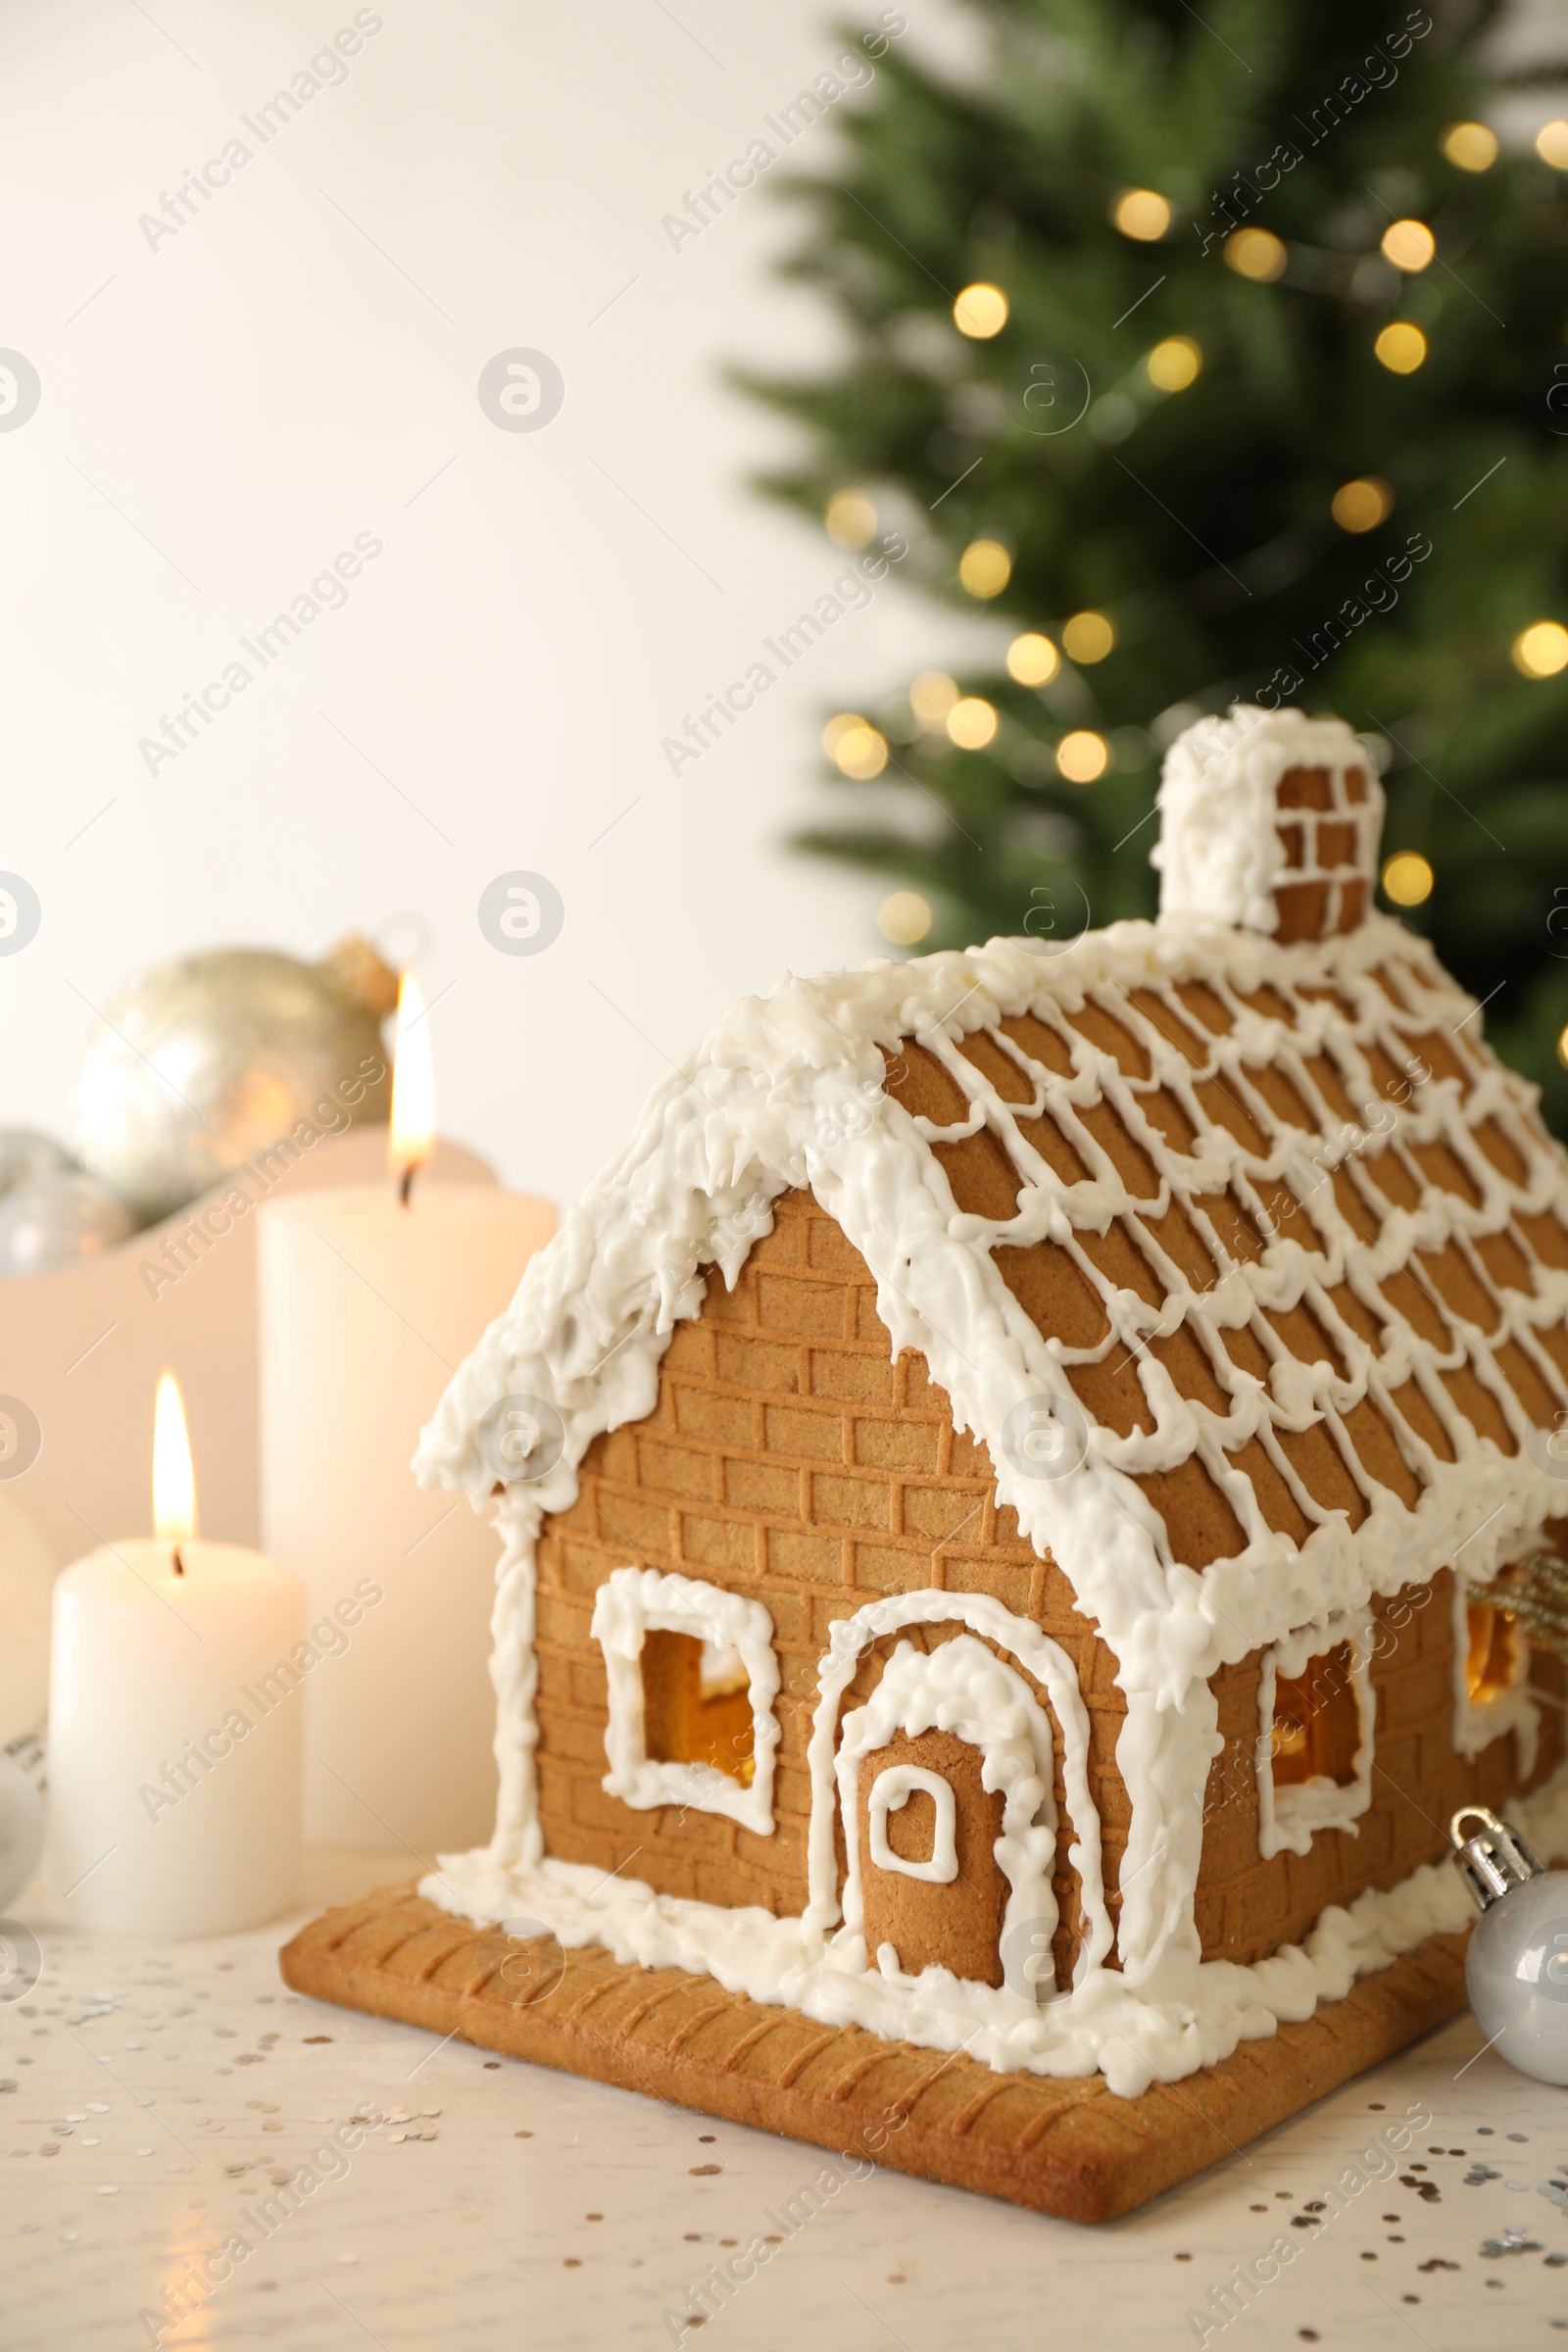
[1495,1860]
[359,972]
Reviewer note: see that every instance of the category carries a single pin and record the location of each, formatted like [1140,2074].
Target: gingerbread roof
[1241,1254]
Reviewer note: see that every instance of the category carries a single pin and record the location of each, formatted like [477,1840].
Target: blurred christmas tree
[1222,357]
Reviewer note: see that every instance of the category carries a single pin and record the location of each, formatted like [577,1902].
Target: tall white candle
[370,1298]
[173,1745]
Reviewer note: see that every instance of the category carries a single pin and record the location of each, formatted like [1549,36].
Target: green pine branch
[1201,520]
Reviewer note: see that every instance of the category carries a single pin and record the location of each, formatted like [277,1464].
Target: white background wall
[220,415]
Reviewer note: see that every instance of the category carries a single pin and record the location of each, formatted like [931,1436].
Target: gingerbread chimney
[1269,822]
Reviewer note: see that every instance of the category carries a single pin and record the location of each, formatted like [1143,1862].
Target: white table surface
[161,2089]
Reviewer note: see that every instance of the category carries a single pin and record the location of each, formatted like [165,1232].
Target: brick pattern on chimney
[1330,847]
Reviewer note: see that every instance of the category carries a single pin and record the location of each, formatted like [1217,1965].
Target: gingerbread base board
[1069,2148]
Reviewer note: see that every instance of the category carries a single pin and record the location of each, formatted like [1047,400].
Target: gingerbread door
[930,1884]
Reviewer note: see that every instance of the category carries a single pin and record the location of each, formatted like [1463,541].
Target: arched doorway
[960,1727]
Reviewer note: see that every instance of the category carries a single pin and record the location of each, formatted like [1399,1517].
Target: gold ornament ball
[209,1060]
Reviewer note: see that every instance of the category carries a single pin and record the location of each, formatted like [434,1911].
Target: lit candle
[174,1737]
[371,1295]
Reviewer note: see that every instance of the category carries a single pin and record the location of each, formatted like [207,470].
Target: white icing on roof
[787,1092]
[1341,1225]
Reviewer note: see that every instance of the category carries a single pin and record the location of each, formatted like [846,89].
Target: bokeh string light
[1257,254]
[1407,878]
[859,749]
[1541,649]
[1410,245]
[1400,347]
[1471,146]
[1174,364]
[1142,214]
[850,518]
[1032,659]
[1088,637]
[931,698]
[1361,504]
[972,724]
[904,918]
[980,310]
[985,568]
[1083,755]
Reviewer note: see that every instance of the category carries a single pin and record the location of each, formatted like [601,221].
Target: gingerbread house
[1011,1488]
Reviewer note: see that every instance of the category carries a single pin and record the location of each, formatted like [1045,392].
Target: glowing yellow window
[696,1704]
[1317,1722]
[1492,1652]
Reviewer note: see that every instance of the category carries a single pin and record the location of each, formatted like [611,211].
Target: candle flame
[173,1479]
[413,1133]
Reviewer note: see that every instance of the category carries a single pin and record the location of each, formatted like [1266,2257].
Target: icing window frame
[1289,1818]
[891,1791]
[630,1604]
[1479,1718]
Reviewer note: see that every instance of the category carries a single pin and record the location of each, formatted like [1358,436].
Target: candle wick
[406,1183]
[180,1565]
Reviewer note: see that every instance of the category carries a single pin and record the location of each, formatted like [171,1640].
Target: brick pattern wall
[1326,829]
[790,1460]
[1247,1907]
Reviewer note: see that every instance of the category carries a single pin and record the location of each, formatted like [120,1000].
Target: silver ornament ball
[21,1832]
[1516,1969]
[1516,1974]
[24,1154]
[209,1060]
[59,1220]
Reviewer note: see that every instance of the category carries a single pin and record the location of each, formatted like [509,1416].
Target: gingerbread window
[891,1794]
[1316,1711]
[693,1676]
[1492,1652]
[1491,1694]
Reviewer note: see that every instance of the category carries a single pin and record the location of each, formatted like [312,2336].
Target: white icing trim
[1051,1667]
[1477,1722]
[634,1601]
[891,1791]
[743,1122]
[517,1840]
[1289,1818]
[964,1688]
[789,1093]
[1106,2023]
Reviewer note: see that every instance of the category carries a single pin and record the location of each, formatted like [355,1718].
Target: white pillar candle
[174,1748]
[367,1305]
